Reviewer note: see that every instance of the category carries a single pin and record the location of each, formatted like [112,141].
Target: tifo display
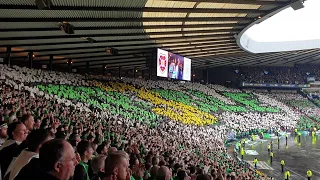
[147,119]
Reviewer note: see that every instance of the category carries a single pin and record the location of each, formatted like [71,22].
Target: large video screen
[173,66]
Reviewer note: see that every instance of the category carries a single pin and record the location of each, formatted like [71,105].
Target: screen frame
[160,62]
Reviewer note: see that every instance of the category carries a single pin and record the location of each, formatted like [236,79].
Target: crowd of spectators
[284,75]
[307,110]
[55,126]
[313,96]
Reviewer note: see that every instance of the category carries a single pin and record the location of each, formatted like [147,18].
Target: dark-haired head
[61,135]
[181,175]
[83,146]
[102,149]
[85,150]
[203,177]
[36,138]
[192,169]
[134,161]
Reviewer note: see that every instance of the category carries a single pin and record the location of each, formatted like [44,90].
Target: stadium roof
[287,30]
[203,30]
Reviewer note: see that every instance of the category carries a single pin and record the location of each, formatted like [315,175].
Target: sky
[289,25]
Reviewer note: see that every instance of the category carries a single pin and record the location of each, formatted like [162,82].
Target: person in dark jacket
[32,170]
[17,133]
[57,161]
[85,151]
[35,140]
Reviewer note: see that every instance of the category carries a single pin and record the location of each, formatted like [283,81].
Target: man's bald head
[164,173]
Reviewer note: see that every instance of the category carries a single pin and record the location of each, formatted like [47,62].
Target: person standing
[117,167]
[309,174]
[97,164]
[35,140]
[56,161]
[255,161]
[17,133]
[242,153]
[28,121]
[85,151]
[271,156]
[171,68]
[282,165]
[287,175]
[102,149]
[239,146]
[253,137]
[174,72]
[243,142]
[164,173]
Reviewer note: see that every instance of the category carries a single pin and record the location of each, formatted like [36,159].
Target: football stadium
[159,90]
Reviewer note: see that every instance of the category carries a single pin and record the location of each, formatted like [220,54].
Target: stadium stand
[149,118]
[88,124]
